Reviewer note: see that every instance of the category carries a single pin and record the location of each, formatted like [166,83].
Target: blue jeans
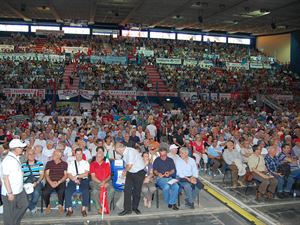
[34,196]
[296,174]
[191,191]
[281,181]
[170,192]
[84,188]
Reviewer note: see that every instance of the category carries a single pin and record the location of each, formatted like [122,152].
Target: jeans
[191,191]
[295,174]
[84,188]
[34,196]
[281,181]
[170,192]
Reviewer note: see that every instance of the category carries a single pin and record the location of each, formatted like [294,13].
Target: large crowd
[162,148]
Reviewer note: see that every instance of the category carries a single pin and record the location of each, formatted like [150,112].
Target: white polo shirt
[11,167]
[83,166]
[132,156]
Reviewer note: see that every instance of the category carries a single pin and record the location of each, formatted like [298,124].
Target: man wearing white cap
[173,150]
[13,195]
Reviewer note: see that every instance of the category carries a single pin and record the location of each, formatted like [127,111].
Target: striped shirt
[36,169]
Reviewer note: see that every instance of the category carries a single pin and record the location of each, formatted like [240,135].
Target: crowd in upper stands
[133,76]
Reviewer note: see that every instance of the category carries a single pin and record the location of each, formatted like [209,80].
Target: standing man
[135,175]
[13,195]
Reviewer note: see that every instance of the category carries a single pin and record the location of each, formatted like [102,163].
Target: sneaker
[48,210]
[33,211]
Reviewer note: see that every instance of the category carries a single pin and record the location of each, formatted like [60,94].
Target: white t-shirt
[83,166]
[48,152]
[68,151]
[88,154]
[11,167]
[141,136]
[152,129]
[40,142]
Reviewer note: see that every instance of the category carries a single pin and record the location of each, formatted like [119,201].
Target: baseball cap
[17,143]
[173,146]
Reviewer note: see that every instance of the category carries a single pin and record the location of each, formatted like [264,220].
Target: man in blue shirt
[164,169]
[187,173]
[272,164]
[214,153]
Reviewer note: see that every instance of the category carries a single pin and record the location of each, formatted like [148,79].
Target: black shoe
[125,212]
[280,195]
[169,206]
[137,211]
[174,207]
[286,194]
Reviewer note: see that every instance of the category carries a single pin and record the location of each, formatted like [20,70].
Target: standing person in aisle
[14,197]
[135,175]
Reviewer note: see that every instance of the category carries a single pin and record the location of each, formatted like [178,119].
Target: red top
[101,171]
[199,148]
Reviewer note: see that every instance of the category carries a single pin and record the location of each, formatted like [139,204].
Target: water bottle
[294,194]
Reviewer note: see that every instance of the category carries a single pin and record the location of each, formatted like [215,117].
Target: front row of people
[142,178]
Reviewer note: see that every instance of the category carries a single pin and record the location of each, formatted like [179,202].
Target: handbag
[249,174]
[31,178]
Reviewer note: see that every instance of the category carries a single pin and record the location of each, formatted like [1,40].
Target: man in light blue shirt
[214,153]
[187,174]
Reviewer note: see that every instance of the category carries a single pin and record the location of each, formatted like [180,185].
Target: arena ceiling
[233,16]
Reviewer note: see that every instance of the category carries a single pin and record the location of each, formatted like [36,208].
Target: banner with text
[10,92]
[75,50]
[237,65]
[109,59]
[168,61]
[4,48]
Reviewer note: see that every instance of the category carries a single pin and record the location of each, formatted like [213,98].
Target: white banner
[146,52]
[75,50]
[225,96]
[4,48]
[190,62]
[206,64]
[9,92]
[33,56]
[256,65]
[168,61]
[237,65]
[87,94]
[120,94]
[283,97]
[267,66]
[67,94]
[188,95]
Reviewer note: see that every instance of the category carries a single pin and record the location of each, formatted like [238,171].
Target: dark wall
[295,51]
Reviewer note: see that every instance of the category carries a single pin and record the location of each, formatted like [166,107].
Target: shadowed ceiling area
[233,16]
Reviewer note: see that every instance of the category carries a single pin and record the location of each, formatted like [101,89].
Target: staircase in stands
[155,79]
[68,70]
[40,44]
